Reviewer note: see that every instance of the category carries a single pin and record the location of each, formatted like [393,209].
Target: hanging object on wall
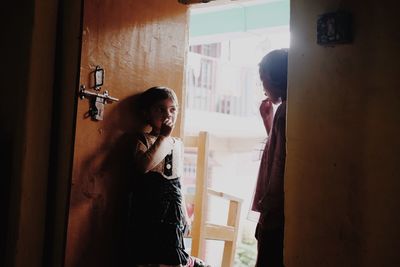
[98,78]
[334,28]
[188,2]
[97,101]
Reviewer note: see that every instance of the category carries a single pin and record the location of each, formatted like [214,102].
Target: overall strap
[142,138]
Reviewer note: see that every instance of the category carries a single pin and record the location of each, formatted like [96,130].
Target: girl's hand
[267,113]
[166,127]
[187,228]
[266,108]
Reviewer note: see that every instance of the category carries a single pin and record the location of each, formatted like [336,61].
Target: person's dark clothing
[269,194]
[155,230]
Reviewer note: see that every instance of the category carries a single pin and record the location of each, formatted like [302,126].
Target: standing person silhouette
[269,193]
[158,219]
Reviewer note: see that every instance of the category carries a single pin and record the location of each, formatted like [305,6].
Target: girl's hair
[274,67]
[154,94]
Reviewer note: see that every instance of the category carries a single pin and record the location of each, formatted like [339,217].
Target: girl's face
[162,110]
[271,92]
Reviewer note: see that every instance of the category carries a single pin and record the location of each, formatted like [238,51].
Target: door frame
[65,98]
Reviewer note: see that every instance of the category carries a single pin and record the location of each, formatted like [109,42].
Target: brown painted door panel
[139,44]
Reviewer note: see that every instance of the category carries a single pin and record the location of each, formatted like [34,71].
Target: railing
[216,86]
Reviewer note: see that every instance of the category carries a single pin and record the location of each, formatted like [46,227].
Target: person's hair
[274,67]
[154,94]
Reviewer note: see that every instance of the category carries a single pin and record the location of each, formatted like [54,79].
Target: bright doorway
[223,93]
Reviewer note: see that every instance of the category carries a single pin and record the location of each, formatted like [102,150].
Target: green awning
[240,18]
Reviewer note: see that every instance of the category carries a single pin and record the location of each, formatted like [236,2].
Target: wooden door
[139,44]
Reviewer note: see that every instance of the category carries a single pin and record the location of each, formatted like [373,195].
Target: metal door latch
[97,102]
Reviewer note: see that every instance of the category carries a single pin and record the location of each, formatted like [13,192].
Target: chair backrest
[201,229]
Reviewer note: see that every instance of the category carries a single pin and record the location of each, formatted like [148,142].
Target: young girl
[158,218]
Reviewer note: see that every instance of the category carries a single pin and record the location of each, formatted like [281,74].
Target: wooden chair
[201,229]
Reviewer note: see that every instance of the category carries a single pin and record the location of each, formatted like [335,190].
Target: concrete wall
[343,164]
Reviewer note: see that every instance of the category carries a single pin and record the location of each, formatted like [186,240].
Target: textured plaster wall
[28,69]
[343,163]
[140,44]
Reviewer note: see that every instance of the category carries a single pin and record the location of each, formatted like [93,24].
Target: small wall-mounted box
[334,28]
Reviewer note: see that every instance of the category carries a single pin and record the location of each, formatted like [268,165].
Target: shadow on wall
[98,206]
